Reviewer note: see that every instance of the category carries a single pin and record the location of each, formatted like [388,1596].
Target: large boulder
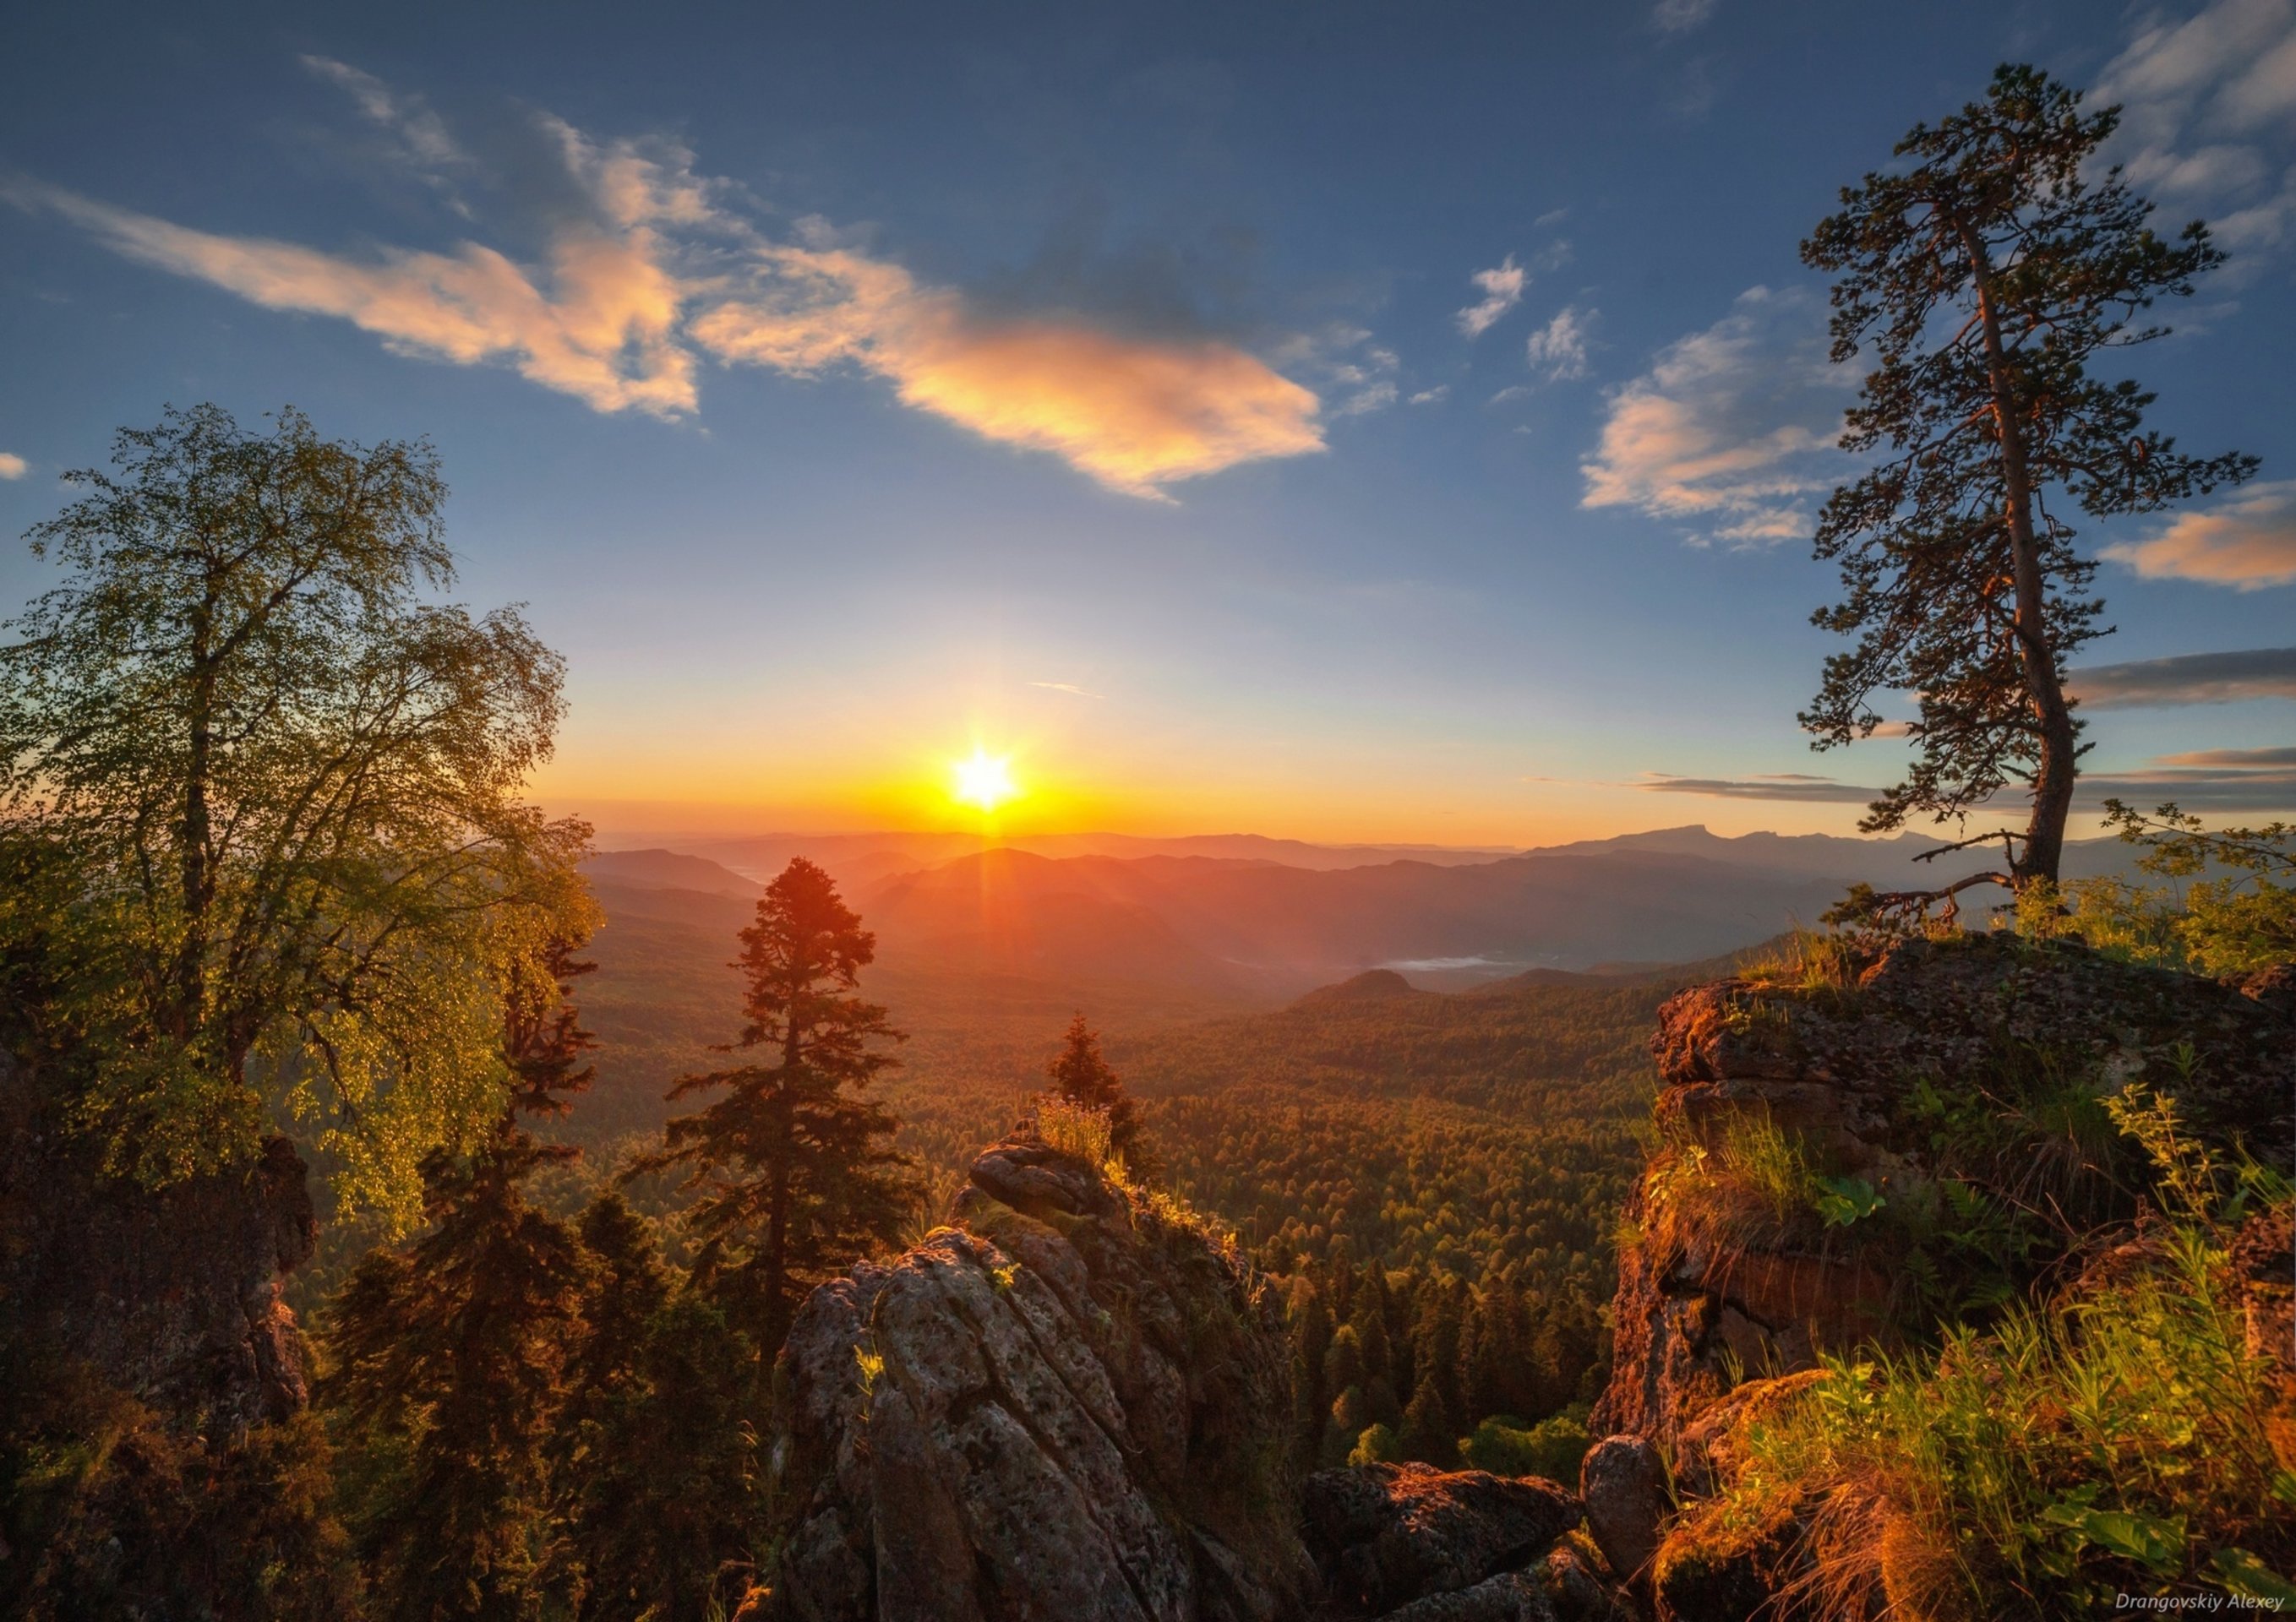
[1070,1403]
[1385,1536]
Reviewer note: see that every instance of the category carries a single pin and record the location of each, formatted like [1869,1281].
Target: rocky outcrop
[1069,1404]
[171,1296]
[1833,1067]
[1818,1133]
[1073,1403]
[1386,1535]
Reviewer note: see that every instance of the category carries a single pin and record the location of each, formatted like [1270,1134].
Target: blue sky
[1340,421]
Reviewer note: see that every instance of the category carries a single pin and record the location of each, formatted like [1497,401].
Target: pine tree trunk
[2053,781]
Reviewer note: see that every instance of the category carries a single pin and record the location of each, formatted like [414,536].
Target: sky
[1344,421]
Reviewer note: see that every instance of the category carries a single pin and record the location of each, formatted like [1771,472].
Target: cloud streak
[2220,780]
[1502,288]
[1730,430]
[13,466]
[1796,787]
[2188,679]
[2248,542]
[624,303]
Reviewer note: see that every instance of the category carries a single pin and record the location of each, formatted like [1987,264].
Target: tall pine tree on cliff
[795,1177]
[1985,276]
[455,1346]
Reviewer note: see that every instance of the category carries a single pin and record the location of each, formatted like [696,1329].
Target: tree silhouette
[1986,276]
[457,1344]
[794,1176]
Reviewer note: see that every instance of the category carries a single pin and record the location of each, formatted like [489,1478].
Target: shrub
[1553,1448]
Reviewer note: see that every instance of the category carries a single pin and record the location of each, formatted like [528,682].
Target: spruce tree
[794,1176]
[449,1353]
[1080,1076]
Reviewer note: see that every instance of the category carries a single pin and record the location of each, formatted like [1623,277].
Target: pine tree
[1984,272]
[1080,1076]
[795,1176]
[656,1445]
[1429,1434]
[449,1353]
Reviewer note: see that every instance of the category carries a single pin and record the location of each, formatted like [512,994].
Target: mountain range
[1272,918]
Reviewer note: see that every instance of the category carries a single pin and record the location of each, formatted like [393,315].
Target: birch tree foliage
[283,783]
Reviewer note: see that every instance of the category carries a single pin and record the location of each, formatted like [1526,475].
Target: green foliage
[1983,272]
[109,1511]
[2121,1439]
[2229,907]
[1552,1448]
[1377,1445]
[285,788]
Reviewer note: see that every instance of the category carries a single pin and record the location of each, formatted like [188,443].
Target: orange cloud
[664,270]
[2248,542]
[1136,413]
[597,324]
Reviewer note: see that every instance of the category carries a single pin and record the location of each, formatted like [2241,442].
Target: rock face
[1070,1405]
[1833,1068]
[1878,1087]
[172,1297]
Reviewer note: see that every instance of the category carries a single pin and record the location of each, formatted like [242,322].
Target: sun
[984,782]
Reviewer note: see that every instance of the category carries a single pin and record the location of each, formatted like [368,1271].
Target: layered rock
[1955,1068]
[172,1296]
[1069,1404]
[1832,1067]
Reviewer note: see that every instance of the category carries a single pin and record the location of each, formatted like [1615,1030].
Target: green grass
[2120,1440]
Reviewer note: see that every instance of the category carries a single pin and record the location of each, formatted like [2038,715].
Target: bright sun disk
[985,781]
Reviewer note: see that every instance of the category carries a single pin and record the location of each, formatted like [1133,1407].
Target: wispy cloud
[596,320]
[13,466]
[1680,16]
[2188,679]
[1429,397]
[660,269]
[1730,429]
[1797,787]
[2247,541]
[2241,759]
[408,118]
[2208,101]
[1559,348]
[1070,688]
[1502,289]
[2235,787]
[2223,779]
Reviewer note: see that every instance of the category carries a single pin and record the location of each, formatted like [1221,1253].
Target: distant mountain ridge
[1175,916]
